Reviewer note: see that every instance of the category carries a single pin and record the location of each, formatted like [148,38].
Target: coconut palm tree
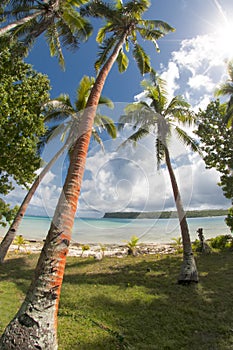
[34,325]
[226,89]
[58,19]
[61,111]
[160,117]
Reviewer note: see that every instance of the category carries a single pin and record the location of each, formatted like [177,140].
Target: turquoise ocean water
[120,230]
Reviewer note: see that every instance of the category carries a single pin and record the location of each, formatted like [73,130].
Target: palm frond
[161,26]
[135,137]
[224,89]
[119,4]
[180,110]
[105,48]
[188,140]
[50,134]
[122,61]
[80,28]
[103,31]
[142,59]
[136,114]
[57,110]
[99,9]
[107,124]
[97,138]
[52,38]
[106,101]
[136,8]
[83,92]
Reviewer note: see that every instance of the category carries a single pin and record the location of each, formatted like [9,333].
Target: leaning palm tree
[160,117]
[61,111]
[58,19]
[34,325]
[226,89]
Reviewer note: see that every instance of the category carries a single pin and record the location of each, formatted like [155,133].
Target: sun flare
[224,40]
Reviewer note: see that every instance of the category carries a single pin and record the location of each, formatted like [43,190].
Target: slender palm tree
[161,117]
[34,325]
[61,111]
[58,19]
[226,89]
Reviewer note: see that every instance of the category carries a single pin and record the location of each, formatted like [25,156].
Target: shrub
[221,242]
[132,245]
[84,248]
[177,244]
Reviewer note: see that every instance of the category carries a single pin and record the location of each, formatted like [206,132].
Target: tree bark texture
[35,325]
[188,271]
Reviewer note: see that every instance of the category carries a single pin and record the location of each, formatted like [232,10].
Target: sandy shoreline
[96,250]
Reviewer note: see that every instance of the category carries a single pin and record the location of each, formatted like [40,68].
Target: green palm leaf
[83,92]
[122,61]
[107,124]
[142,59]
[188,140]
[106,101]
[105,48]
[136,136]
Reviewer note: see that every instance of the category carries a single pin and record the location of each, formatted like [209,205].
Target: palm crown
[124,21]
[65,117]
[159,116]
[59,19]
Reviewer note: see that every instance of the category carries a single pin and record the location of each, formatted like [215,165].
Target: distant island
[165,214]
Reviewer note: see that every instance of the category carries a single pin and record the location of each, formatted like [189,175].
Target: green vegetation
[22,92]
[217,145]
[132,303]
[132,245]
[165,214]
[85,247]
[221,242]
[20,242]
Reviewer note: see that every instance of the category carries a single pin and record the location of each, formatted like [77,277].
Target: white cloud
[171,76]
[201,81]
[196,69]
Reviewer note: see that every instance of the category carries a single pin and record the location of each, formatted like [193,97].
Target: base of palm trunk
[24,333]
[188,273]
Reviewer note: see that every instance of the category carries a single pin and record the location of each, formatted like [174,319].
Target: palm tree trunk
[12,232]
[35,324]
[4,30]
[188,271]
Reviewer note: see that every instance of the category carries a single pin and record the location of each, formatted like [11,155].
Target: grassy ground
[133,303]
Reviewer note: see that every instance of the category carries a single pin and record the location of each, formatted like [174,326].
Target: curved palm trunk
[188,270]
[35,324]
[19,22]
[12,232]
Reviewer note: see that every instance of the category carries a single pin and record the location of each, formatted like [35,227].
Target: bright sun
[224,40]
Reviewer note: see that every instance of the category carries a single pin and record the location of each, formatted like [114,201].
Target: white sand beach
[96,250]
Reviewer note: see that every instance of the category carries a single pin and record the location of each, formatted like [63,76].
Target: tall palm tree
[226,89]
[59,110]
[58,19]
[35,323]
[161,117]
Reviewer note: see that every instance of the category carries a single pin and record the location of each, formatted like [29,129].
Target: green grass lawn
[133,303]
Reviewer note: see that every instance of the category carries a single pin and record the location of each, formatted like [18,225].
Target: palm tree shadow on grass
[142,303]
[17,270]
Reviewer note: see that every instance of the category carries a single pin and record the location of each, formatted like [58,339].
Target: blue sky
[193,61]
